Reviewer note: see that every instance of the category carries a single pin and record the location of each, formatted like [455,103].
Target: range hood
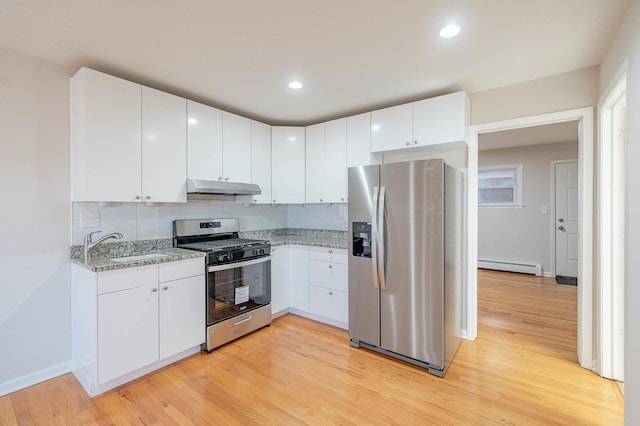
[217,187]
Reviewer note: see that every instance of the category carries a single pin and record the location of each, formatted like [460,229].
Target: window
[500,185]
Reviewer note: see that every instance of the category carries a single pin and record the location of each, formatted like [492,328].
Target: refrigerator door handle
[380,238]
[374,236]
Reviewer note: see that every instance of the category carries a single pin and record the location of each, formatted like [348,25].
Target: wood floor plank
[522,369]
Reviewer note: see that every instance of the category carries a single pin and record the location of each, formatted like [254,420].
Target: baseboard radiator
[521,268]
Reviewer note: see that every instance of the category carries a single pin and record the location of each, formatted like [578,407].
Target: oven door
[239,287]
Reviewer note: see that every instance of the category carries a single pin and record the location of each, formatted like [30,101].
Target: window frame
[518,188]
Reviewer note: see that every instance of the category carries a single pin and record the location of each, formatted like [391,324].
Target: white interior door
[567,219]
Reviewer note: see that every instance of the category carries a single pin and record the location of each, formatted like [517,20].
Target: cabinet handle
[137,197]
[154,290]
[341,199]
[408,143]
[274,201]
[320,199]
[330,251]
[226,179]
[415,142]
[255,200]
[219,177]
[330,293]
[166,287]
[330,266]
[148,197]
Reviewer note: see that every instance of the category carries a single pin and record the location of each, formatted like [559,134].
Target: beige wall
[35,221]
[522,234]
[576,89]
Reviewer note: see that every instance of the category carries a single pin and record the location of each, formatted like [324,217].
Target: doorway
[585,212]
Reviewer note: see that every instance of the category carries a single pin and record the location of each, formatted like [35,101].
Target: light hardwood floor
[521,370]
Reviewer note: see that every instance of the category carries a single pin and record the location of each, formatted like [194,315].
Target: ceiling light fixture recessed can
[295,84]
[449,31]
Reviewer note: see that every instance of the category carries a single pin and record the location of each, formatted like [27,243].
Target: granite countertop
[149,252]
[159,255]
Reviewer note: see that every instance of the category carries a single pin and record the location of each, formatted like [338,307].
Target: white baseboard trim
[522,268]
[319,318]
[34,378]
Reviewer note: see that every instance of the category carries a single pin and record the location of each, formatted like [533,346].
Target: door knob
[561,228]
[561,220]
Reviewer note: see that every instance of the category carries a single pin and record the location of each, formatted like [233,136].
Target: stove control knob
[230,256]
[254,252]
[220,257]
[261,251]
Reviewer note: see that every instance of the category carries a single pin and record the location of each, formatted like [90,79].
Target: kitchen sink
[147,256]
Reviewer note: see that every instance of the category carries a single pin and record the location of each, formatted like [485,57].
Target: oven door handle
[234,265]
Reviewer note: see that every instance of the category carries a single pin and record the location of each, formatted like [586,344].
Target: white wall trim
[606,239]
[34,378]
[585,209]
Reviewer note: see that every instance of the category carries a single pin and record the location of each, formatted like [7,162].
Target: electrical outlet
[89,219]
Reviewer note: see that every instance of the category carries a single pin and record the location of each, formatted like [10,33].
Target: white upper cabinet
[439,120]
[236,148]
[326,162]
[335,161]
[359,140]
[315,163]
[261,161]
[391,128]
[288,165]
[444,119]
[125,146]
[164,146]
[105,138]
[204,141]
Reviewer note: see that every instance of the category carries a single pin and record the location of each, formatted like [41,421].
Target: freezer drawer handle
[243,320]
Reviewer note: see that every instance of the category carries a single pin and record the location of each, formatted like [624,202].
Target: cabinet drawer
[332,304]
[328,254]
[171,271]
[123,279]
[329,275]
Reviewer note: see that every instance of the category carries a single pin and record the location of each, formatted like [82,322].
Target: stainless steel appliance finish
[221,187]
[238,277]
[405,260]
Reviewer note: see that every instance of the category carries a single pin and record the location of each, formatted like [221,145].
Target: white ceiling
[352,56]
[534,135]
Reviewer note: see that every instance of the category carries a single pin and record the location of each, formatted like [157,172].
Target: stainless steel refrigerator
[405,261]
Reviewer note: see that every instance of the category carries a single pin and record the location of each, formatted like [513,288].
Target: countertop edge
[105,264]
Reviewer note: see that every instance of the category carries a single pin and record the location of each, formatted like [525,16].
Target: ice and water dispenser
[361,239]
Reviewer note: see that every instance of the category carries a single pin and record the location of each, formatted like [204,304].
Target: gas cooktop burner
[226,244]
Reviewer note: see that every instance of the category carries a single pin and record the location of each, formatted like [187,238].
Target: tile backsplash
[141,222]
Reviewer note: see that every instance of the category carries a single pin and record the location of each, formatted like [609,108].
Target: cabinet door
[391,128]
[182,314]
[204,142]
[299,277]
[335,164]
[261,161]
[279,279]
[287,165]
[127,331]
[164,147]
[443,119]
[328,303]
[236,148]
[359,140]
[105,137]
[315,163]
[329,275]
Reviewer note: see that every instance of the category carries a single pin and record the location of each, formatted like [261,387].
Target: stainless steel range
[238,277]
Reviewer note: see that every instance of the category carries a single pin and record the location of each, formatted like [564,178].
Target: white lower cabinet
[329,303]
[299,277]
[279,279]
[128,322]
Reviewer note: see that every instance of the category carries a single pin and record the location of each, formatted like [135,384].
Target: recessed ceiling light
[295,84]
[449,31]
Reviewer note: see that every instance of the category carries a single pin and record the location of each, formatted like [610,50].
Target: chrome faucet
[89,244]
